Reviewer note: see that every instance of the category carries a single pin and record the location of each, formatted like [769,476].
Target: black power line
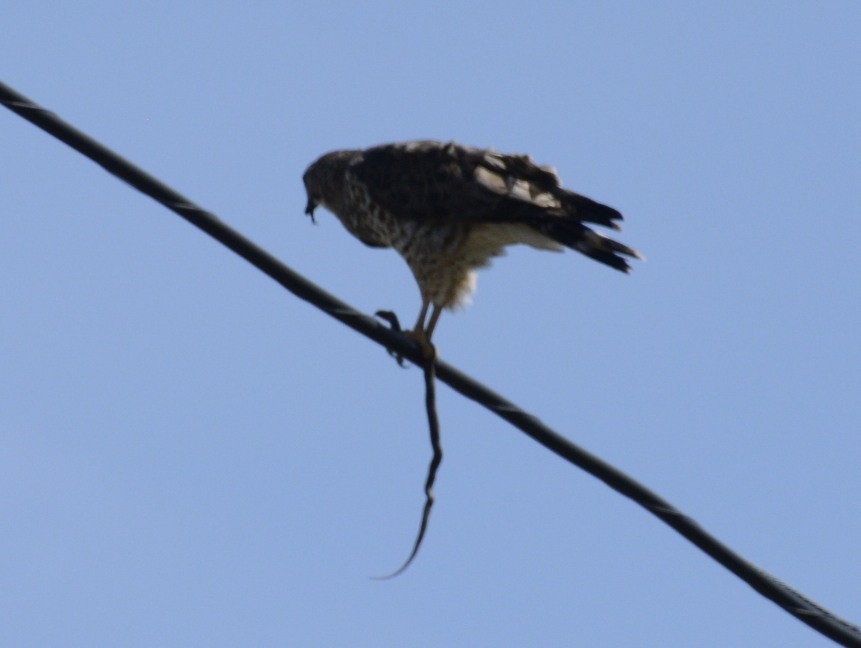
[795,603]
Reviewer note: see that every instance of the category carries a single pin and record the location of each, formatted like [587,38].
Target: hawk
[448,209]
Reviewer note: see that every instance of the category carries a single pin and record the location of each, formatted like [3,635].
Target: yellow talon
[421,333]
[423,340]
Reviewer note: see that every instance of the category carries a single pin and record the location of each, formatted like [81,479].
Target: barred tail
[594,245]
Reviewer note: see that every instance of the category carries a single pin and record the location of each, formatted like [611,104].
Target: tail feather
[589,242]
[588,210]
[514,189]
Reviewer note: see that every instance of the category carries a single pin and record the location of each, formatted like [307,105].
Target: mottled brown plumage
[448,209]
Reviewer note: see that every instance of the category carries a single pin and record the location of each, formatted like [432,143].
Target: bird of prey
[448,209]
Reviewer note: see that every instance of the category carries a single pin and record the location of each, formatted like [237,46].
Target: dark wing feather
[439,182]
[416,180]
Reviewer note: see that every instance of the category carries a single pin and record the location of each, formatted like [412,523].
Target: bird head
[324,181]
[312,190]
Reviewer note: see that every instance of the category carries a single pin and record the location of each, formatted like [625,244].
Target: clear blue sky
[190,456]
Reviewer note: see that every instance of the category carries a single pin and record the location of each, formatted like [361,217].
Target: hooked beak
[310,207]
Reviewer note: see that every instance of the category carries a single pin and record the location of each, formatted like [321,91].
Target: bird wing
[445,182]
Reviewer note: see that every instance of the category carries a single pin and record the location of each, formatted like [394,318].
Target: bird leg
[420,322]
[434,318]
[421,333]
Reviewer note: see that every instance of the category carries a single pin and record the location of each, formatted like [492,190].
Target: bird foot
[395,324]
[418,335]
[421,338]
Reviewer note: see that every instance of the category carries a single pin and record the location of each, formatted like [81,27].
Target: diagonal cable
[795,603]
